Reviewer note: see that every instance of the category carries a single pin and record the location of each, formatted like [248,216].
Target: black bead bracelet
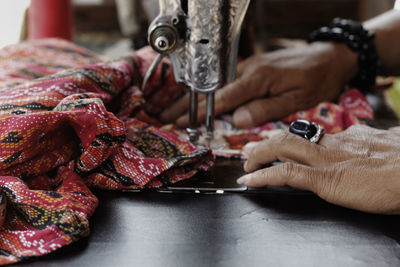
[359,40]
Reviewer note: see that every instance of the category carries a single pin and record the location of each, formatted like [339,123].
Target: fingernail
[244,179]
[242,119]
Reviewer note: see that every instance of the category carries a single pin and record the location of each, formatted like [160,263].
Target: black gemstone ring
[308,130]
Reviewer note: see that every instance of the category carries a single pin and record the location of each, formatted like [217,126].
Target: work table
[272,229]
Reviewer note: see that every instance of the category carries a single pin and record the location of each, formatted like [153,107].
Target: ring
[308,130]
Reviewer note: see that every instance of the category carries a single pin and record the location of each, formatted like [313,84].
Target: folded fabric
[70,120]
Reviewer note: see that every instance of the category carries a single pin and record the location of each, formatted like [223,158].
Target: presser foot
[193,135]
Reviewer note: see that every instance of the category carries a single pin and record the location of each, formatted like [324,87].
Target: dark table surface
[158,229]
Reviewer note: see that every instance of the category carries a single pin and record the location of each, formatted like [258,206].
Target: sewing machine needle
[210,117]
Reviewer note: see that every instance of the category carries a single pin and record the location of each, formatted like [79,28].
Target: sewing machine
[201,38]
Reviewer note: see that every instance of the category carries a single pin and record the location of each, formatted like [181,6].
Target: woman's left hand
[358,168]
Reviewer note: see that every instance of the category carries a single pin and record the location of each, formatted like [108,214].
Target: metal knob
[162,43]
[164,38]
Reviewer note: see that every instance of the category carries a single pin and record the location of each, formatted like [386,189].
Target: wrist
[348,61]
[344,60]
[386,28]
[358,39]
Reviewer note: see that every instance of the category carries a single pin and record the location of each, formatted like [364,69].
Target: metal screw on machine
[201,38]
[162,43]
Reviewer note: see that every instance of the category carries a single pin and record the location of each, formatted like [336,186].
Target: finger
[241,67]
[226,99]
[247,65]
[255,157]
[248,148]
[264,110]
[180,107]
[292,174]
[288,147]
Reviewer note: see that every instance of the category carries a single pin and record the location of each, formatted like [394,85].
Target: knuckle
[255,151]
[224,100]
[288,169]
[283,137]
[353,129]
[277,140]
[371,149]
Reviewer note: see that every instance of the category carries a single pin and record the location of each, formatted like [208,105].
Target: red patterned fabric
[351,108]
[59,135]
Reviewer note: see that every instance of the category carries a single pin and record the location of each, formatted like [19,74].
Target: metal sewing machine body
[201,38]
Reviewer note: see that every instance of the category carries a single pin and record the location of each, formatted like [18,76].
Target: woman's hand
[358,168]
[273,85]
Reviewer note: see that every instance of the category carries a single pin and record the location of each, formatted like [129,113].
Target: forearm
[387,30]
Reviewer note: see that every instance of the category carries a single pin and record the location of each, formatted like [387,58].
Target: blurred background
[112,27]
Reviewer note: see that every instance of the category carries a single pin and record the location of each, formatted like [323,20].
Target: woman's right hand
[357,168]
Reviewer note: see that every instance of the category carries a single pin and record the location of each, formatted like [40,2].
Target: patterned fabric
[69,121]
[352,108]
[58,137]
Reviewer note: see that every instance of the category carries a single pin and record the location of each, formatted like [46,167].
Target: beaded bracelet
[359,40]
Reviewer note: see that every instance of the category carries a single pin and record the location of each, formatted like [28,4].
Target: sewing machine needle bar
[193,106]
[210,115]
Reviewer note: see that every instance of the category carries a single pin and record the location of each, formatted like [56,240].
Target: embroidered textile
[58,137]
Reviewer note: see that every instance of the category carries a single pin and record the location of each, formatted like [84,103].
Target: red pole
[50,18]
